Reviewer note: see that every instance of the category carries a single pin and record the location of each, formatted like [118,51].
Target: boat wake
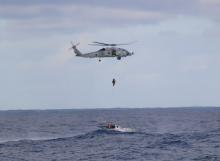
[121,129]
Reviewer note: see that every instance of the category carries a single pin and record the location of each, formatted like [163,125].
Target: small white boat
[115,127]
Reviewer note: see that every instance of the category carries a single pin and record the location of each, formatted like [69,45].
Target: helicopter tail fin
[76,51]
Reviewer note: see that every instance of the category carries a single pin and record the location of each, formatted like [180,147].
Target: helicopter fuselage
[107,52]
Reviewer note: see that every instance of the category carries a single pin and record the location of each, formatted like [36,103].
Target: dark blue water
[72,135]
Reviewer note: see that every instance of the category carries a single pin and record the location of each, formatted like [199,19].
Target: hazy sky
[176,61]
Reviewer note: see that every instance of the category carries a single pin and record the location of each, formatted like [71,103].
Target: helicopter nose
[132,53]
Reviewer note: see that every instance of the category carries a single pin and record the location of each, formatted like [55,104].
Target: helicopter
[108,50]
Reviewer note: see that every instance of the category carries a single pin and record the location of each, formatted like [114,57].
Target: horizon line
[104,108]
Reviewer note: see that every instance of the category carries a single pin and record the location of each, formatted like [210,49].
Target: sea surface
[161,134]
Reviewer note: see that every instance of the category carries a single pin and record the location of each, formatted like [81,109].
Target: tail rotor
[73,45]
[75,50]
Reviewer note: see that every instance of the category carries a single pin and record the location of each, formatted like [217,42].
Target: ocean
[160,134]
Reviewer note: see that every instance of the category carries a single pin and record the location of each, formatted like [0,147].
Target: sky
[176,61]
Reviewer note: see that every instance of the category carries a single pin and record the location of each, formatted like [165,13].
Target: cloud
[49,18]
[210,9]
[196,63]
[209,2]
[78,15]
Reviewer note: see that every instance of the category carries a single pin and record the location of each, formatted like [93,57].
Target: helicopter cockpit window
[103,49]
[114,52]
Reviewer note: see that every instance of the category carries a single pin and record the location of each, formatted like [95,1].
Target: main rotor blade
[96,43]
[128,43]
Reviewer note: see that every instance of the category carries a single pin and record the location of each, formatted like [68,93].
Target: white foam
[121,129]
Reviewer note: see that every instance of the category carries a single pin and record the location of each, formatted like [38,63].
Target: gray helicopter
[109,50]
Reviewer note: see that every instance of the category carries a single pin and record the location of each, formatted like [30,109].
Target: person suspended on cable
[113,82]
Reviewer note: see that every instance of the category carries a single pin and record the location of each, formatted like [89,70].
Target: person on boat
[110,126]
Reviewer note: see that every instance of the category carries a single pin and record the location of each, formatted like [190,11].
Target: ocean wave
[149,145]
[160,140]
[87,135]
